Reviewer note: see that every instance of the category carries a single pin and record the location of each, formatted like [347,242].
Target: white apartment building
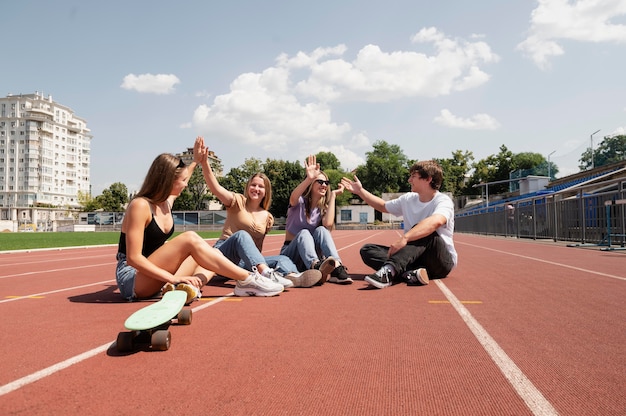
[44,155]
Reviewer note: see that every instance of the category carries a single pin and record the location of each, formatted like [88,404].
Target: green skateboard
[149,324]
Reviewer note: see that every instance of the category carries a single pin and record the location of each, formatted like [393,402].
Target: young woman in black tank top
[146,263]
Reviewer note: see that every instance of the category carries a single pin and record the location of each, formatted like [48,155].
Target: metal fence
[587,217]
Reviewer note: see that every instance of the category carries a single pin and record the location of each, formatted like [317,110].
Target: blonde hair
[266,202]
[322,204]
[160,178]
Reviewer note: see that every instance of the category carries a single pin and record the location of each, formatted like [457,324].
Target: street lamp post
[549,169]
[591,140]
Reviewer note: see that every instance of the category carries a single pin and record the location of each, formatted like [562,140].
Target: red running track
[519,328]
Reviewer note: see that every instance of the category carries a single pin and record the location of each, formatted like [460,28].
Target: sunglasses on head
[181,164]
[322,182]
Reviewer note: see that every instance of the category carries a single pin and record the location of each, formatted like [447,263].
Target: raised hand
[354,186]
[200,151]
[312,167]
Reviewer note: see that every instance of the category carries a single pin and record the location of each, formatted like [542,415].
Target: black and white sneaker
[340,276]
[381,279]
[417,277]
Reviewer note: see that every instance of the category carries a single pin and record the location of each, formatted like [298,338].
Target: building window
[346,215]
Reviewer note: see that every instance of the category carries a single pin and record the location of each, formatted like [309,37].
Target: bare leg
[175,252]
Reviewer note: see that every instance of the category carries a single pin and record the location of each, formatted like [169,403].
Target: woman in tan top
[247,223]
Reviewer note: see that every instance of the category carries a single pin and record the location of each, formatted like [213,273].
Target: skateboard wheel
[161,340]
[125,341]
[184,317]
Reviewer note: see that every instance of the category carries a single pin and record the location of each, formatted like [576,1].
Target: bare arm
[224,195]
[370,199]
[312,171]
[137,217]
[424,228]
[328,220]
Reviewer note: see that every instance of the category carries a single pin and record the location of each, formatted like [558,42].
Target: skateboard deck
[157,313]
[148,322]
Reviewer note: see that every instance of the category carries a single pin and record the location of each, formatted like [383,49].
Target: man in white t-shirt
[427,247]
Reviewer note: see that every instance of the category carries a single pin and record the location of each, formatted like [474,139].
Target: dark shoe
[325,267]
[340,275]
[418,277]
[380,281]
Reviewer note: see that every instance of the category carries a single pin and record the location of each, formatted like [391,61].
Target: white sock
[387,268]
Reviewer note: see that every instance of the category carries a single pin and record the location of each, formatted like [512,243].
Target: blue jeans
[307,249]
[125,277]
[241,250]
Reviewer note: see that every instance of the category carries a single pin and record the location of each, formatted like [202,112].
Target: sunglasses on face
[322,182]
[181,164]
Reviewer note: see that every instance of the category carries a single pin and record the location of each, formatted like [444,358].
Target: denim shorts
[125,277]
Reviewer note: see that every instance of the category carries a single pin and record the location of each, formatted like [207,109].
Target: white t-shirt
[413,211]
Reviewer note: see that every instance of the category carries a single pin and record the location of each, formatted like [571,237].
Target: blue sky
[282,79]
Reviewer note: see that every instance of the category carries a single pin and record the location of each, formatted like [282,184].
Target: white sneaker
[307,278]
[277,277]
[257,285]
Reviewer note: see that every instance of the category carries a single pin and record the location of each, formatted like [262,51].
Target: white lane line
[533,398]
[21,382]
[56,270]
[55,291]
[554,263]
[65,260]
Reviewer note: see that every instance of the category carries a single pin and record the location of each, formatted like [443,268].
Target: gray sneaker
[257,285]
[277,277]
[306,278]
[416,277]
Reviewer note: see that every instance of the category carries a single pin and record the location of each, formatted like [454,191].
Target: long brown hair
[160,178]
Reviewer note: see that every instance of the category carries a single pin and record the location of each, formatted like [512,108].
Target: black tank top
[153,238]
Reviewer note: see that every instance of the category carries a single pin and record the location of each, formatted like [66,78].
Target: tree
[328,161]
[502,167]
[611,150]
[88,203]
[284,176]
[455,171]
[385,170]
[114,198]
[195,195]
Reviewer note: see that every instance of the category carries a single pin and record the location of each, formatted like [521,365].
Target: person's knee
[304,235]
[241,236]
[366,249]
[321,231]
[191,238]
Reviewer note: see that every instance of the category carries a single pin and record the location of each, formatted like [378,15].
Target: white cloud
[148,83]
[348,158]
[378,76]
[583,21]
[287,108]
[475,122]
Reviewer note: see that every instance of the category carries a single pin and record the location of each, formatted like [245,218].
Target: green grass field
[29,241]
